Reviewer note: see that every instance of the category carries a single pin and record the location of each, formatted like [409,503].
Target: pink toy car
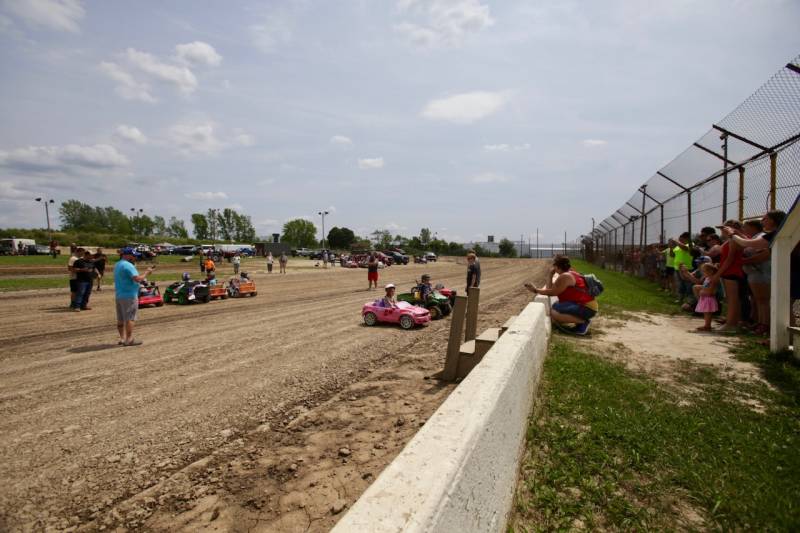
[405,314]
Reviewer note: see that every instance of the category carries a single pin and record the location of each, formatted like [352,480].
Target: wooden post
[773,179]
[472,314]
[741,193]
[454,342]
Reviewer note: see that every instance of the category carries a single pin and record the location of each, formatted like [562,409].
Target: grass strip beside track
[611,449]
[627,293]
[20,284]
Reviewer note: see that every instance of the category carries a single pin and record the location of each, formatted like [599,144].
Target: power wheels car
[150,295]
[437,303]
[405,314]
[185,292]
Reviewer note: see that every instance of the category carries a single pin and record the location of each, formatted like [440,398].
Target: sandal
[133,343]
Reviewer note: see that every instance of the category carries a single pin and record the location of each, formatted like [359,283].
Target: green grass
[615,450]
[627,293]
[20,284]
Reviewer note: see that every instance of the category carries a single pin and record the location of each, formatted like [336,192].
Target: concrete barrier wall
[459,472]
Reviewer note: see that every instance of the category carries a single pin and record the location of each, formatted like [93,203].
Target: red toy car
[405,314]
[149,294]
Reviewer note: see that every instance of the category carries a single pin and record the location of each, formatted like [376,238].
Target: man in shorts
[473,271]
[76,253]
[372,271]
[126,287]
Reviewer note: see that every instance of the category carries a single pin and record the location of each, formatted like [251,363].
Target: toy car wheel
[446,309]
[436,313]
[254,293]
[406,322]
[205,299]
[370,319]
[159,304]
[182,299]
[168,297]
[224,296]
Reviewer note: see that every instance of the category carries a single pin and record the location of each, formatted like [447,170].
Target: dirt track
[232,415]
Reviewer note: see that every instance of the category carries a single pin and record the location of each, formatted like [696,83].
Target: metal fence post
[773,179]
[689,214]
[662,238]
[741,192]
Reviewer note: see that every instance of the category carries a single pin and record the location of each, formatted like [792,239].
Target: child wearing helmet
[389,300]
[425,288]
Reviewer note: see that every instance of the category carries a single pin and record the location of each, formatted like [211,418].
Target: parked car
[301,252]
[185,249]
[38,249]
[430,257]
[405,314]
[397,257]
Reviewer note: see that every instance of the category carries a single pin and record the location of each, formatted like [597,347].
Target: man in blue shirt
[126,288]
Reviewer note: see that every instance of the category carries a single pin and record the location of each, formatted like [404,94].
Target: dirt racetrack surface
[270,413]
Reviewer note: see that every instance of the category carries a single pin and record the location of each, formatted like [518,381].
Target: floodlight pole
[322,214]
[47,215]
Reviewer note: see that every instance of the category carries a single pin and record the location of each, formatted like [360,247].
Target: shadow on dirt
[93,348]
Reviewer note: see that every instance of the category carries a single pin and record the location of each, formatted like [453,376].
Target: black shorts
[669,271]
[73,285]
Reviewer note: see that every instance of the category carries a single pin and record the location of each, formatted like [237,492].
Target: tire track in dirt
[83,430]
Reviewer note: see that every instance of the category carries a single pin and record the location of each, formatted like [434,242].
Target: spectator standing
[707,300]
[473,271]
[84,269]
[270,260]
[126,288]
[283,260]
[372,271]
[209,265]
[53,248]
[237,262]
[324,258]
[758,247]
[732,276]
[669,269]
[575,305]
[73,275]
[100,261]
[682,256]
[202,262]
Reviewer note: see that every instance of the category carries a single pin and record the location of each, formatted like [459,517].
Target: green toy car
[437,303]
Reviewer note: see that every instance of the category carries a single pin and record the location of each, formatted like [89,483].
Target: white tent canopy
[785,241]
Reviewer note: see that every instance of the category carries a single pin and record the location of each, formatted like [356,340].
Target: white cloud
[506,147]
[202,138]
[181,77]
[131,134]
[268,223]
[206,196]
[68,159]
[127,87]
[198,53]
[367,163]
[61,15]
[9,191]
[273,30]
[198,138]
[590,143]
[442,22]
[243,139]
[342,141]
[465,108]
[489,177]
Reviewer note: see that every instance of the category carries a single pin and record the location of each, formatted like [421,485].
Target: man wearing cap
[126,288]
[389,300]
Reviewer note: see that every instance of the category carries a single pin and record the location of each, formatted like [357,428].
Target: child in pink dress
[707,301]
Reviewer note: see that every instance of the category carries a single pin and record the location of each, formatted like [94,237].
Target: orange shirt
[210,265]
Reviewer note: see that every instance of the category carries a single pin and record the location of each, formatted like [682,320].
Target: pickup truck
[302,252]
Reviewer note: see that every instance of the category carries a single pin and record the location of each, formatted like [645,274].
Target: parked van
[12,246]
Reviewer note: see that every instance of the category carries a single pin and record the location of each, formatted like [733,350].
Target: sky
[469,117]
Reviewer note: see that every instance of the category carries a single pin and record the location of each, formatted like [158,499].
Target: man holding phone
[126,288]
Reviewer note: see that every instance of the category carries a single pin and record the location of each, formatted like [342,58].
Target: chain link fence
[746,164]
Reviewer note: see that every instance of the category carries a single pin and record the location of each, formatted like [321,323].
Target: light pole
[47,215]
[322,214]
[135,214]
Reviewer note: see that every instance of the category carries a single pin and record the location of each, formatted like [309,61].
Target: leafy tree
[200,223]
[177,229]
[243,229]
[425,236]
[226,222]
[507,248]
[300,233]
[117,221]
[481,251]
[159,225]
[341,238]
[142,225]
[75,215]
[382,238]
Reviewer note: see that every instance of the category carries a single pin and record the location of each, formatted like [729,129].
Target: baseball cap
[127,251]
[389,286]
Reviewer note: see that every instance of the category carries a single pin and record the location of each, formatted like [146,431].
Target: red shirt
[735,268]
[576,293]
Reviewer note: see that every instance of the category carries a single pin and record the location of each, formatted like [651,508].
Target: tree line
[223,224]
[78,216]
[302,233]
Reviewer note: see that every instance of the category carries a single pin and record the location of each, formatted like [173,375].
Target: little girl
[707,301]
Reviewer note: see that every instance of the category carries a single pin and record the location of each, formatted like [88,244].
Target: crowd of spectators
[739,256]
